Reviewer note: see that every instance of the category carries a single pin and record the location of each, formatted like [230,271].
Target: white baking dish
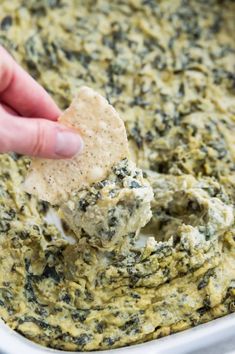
[180,343]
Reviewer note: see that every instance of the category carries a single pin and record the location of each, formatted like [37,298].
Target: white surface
[181,343]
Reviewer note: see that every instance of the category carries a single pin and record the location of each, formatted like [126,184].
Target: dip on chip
[107,212]
[101,194]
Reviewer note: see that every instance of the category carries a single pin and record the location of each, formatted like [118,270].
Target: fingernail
[68,144]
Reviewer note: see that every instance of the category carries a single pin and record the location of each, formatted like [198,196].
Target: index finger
[22,93]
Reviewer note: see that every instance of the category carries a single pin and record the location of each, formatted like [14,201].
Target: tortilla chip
[105,143]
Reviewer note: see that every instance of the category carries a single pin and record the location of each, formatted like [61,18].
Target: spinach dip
[168,67]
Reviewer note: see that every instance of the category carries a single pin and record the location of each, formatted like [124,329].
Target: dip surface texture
[168,68]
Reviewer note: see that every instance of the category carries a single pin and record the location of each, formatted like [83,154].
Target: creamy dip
[168,68]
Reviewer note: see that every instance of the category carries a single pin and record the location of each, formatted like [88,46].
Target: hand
[28,116]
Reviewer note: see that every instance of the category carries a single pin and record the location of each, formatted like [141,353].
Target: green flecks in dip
[168,68]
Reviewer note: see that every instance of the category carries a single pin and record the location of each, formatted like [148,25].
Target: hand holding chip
[28,116]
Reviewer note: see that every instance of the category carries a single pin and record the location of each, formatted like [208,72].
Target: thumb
[38,137]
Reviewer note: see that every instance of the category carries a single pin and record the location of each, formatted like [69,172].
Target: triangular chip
[105,143]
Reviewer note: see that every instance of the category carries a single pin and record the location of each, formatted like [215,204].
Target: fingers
[37,137]
[22,93]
